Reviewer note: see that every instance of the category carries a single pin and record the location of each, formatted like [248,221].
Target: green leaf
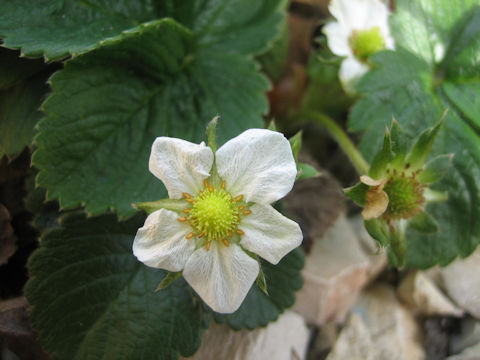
[57,29]
[407,85]
[91,298]
[464,33]
[110,104]
[258,309]
[22,90]
[435,169]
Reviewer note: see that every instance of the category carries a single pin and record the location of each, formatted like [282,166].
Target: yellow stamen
[225,242]
[191,201]
[205,183]
[230,234]
[210,187]
[187,210]
[186,195]
[190,235]
[240,232]
[241,207]
[238,198]
[207,246]
[247,212]
[182,218]
[222,185]
[201,235]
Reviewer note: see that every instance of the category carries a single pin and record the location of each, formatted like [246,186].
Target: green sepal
[261,282]
[272,126]
[435,169]
[422,147]
[377,230]
[382,158]
[434,196]
[424,223]
[358,193]
[168,279]
[399,145]
[169,204]
[306,171]
[212,134]
[296,144]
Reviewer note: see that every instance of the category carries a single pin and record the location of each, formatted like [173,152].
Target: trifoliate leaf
[258,309]
[91,299]
[408,85]
[110,104]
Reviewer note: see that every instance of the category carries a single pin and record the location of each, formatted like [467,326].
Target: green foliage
[258,309]
[159,78]
[91,298]
[432,70]
[22,89]
[57,29]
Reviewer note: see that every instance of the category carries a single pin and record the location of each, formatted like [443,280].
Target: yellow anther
[210,187]
[230,234]
[225,242]
[240,232]
[238,198]
[247,212]
[187,210]
[191,201]
[241,207]
[186,195]
[201,235]
[205,183]
[182,218]
[207,245]
[190,235]
[222,185]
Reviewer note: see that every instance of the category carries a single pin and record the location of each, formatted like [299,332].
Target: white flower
[361,29]
[226,210]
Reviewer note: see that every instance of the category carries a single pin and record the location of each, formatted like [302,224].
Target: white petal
[181,165]
[222,276]
[258,164]
[359,14]
[269,234]
[350,72]
[337,36]
[161,242]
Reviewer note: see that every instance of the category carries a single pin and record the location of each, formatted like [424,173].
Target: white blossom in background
[361,29]
[226,210]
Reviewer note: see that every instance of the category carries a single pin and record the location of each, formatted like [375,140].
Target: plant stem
[357,160]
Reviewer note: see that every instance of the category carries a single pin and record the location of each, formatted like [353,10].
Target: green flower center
[405,196]
[366,42]
[214,215]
